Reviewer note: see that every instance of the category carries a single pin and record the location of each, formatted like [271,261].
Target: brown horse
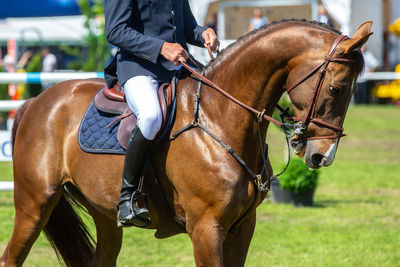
[204,185]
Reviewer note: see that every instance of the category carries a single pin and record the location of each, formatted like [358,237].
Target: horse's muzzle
[320,153]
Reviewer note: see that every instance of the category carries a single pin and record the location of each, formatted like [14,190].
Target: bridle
[302,122]
[311,110]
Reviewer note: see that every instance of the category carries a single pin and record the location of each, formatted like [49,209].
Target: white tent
[351,13]
[199,9]
[68,29]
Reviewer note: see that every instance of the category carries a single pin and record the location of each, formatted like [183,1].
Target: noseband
[303,122]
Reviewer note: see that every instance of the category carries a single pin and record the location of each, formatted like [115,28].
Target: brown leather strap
[326,137]
[227,95]
[308,75]
[210,53]
[310,117]
[328,58]
[328,125]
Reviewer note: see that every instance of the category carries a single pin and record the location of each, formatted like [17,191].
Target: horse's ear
[359,39]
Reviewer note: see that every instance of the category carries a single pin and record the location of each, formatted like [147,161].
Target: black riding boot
[129,213]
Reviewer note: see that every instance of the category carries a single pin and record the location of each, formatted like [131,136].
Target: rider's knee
[150,124]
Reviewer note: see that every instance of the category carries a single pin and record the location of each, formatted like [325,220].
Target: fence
[6,186]
[54,77]
[6,105]
[46,77]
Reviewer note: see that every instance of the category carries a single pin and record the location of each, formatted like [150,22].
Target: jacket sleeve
[193,31]
[117,14]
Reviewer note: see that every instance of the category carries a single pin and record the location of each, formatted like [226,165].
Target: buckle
[195,122]
[260,185]
[297,128]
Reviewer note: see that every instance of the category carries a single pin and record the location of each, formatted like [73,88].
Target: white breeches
[141,95]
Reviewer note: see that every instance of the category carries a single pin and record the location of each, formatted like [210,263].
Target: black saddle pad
[95,137]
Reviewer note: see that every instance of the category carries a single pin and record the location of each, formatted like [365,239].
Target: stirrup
[140,216]
[136,196]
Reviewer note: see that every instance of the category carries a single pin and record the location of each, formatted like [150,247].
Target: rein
[286,127]
[230,97]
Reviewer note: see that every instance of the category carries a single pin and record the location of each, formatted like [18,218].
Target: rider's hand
[174,52]
[211,39]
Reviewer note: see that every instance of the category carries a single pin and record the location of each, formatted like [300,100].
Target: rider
[151,37]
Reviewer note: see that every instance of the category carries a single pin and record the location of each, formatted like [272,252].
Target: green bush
[3,89]
[284,102]
[3,96]
[298,177]
[98,48]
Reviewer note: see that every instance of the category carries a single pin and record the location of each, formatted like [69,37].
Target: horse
[204,185]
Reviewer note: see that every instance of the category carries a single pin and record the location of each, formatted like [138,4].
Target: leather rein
[303,121]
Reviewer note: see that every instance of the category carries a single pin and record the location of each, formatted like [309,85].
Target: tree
[98,48]
[34,65]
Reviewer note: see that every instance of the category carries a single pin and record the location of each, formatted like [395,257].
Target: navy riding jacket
[139,28]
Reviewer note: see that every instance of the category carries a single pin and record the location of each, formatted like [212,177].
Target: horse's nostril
[316,159]
[298,144]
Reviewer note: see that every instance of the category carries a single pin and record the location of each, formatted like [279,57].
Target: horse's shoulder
[96,82]
[78,86]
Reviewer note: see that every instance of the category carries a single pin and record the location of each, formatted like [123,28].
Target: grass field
[356,220]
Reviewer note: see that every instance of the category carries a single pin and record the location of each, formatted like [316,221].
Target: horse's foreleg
[33,206]
[206,235]
[236,245]
[109,240]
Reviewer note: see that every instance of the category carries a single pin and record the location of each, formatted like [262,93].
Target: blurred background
[356,215]
[67,36]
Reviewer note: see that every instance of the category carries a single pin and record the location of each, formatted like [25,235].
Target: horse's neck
[255,74]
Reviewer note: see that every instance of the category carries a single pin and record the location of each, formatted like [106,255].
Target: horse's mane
[262,31]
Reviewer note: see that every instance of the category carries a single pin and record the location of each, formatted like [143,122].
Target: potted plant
[296,185]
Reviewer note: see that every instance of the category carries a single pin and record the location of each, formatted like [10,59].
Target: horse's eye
[333,90]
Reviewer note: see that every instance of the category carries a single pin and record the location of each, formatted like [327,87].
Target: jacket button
[174,28]
[173,12]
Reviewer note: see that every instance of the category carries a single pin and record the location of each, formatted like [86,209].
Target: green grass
[356,220]
[6,173]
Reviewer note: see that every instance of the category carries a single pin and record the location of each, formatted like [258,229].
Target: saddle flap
[105,104]
[126,127]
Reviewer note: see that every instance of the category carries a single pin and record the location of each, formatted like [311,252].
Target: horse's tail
[68,235]
[17,119]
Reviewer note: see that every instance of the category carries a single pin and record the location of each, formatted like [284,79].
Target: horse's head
[320,84]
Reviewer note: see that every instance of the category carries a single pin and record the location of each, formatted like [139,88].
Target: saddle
[112,101]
